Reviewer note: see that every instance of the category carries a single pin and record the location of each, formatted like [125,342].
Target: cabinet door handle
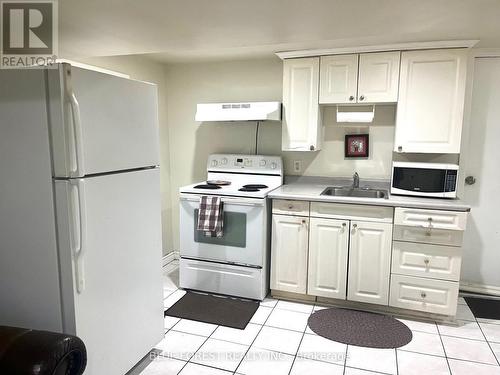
[304,224]
[344,225]
[351,98]
[362,97]
[354,226]
[400,148]
[423,295]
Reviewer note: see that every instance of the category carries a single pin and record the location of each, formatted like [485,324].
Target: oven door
[245,227]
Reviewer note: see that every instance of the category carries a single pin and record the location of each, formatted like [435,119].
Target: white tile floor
[278,341]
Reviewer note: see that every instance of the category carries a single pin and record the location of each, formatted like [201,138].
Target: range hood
[245,111]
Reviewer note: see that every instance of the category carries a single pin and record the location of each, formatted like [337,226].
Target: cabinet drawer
[424,260]
[288,207]
[437,219]
[430,236]
[352,212]
[428,295]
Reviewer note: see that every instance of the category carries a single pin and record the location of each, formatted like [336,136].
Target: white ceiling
[189,30]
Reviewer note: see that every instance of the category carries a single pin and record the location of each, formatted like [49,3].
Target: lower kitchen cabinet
[428,295]
[358,253]
[289,253]
[328,255]
[369,262]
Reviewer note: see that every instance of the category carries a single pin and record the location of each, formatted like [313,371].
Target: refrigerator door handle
[79,251]
[77,135]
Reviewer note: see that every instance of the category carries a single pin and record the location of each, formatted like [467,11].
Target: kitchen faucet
[355,180]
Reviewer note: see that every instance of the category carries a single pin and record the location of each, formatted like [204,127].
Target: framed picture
[356,145]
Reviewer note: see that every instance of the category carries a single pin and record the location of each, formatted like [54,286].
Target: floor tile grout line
[298,347]
[369,371]
[397,363]
[255,338]
[489,344]
[444,350]
[203,343]
[345,361]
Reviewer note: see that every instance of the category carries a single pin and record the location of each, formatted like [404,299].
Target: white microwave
[424,179]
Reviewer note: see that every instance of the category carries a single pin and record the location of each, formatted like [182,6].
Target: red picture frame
[357,145]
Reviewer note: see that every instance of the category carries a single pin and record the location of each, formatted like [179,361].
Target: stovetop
[252,176]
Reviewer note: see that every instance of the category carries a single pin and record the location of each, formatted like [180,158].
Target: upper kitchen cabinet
[359,78]
[338,79]
[431,101]
[302,129]
[378,77]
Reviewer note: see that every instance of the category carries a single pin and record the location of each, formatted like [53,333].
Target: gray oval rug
[360,328]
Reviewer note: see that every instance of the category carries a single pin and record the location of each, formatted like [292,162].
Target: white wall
[139,68]
[254,80]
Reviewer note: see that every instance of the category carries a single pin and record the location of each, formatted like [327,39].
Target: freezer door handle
[77,135]
[79,250]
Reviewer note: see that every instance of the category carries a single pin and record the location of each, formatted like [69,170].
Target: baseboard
[480,288]
[173,255]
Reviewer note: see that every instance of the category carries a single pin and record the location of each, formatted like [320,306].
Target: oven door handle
[239,202]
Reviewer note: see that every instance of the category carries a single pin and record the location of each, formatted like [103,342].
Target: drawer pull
[426,261]
[344,225]
[290,206]
[423,295]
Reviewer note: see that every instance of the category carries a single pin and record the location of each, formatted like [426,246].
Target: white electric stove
[238,263]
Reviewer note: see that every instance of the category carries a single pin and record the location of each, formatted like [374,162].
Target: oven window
[235,231]
[419,179]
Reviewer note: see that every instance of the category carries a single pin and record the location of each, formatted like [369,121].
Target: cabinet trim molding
[378,48]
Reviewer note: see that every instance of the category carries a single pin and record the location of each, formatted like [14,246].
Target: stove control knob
[214,163]
[263,163]
[223,161]
[273,165]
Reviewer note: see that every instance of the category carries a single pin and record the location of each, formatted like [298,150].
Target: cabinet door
[338,79]
[431,101]
[369,262]
[301,129]
[378,77]
[328,251]
[289,253]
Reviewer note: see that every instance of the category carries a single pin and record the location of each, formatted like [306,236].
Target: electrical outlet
[297,166]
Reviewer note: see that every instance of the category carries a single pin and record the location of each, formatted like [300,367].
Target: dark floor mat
[360,328]
[484,308]
[220,310]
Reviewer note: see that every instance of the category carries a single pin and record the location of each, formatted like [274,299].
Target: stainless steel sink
[344,191]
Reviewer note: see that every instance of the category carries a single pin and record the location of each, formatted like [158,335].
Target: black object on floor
[484,308]
[360,328]
[220,310]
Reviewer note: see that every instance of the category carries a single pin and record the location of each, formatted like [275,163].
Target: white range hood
[245,111]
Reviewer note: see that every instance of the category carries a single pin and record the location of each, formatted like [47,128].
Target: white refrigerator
[80,230]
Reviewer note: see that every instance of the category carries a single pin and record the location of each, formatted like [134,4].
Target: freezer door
[100,122]
[110,246]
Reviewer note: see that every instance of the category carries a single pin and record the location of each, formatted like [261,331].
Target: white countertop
[310,189]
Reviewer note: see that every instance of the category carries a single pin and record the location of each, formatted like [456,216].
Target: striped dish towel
[211,216]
